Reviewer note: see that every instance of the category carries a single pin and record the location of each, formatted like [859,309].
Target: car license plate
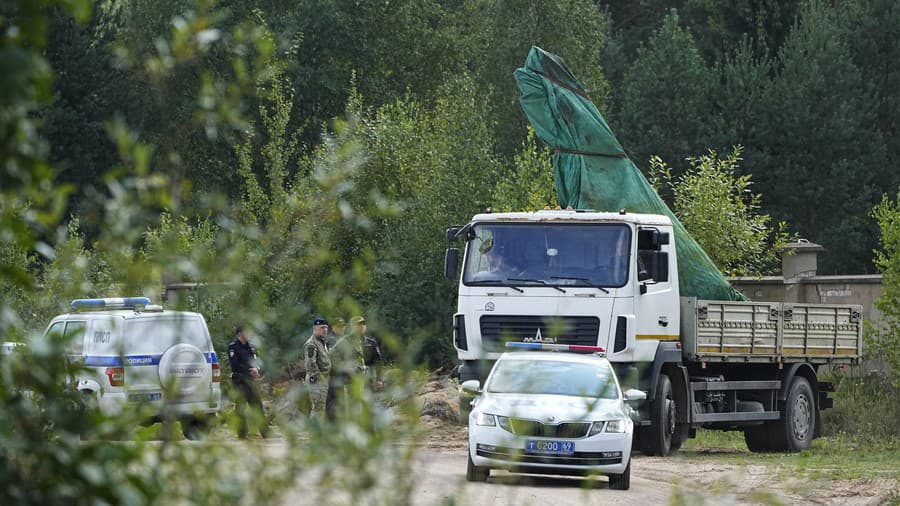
[555,447]
[145,397]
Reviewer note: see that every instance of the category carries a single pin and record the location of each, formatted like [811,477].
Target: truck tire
[657,439]
[757,438]
[794,431]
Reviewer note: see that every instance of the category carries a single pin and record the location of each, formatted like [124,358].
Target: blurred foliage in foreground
[54,449]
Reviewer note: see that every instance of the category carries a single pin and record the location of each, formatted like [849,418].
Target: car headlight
[503,421]
[612,426]
[617,426]
[485,419]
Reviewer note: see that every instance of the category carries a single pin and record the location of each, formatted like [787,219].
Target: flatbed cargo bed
[754,332]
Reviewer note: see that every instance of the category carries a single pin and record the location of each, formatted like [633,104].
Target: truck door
[656,303]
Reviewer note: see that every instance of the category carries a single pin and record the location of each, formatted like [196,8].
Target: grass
[861,435]
[840,457]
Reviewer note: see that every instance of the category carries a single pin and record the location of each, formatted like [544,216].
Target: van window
[152,336]
[74,338]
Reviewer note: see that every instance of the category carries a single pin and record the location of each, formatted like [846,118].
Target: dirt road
[686,476]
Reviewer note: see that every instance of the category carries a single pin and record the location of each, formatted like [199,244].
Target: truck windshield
[554,254]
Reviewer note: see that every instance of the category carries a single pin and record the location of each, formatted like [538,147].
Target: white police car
[551,413]
[133,353]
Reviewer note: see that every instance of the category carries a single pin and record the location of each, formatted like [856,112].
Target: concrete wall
[853,289]
[799,283]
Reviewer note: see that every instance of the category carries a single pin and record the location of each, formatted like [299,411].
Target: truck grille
[498,329]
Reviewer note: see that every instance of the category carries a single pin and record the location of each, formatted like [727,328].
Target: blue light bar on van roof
[576,348]
[110,303]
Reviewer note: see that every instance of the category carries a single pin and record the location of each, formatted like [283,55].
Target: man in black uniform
[245,372]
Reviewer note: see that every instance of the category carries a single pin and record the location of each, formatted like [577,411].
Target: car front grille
[567,430]
[499,329]
[517,456]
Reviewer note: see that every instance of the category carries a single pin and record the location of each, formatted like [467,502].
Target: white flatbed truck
[611,280]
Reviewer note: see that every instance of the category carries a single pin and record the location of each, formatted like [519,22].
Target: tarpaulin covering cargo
[592,170]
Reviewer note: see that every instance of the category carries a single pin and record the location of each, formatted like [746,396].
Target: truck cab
[565,277]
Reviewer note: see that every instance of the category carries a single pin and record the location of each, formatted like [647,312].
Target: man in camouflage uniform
[318,367]
[371,361]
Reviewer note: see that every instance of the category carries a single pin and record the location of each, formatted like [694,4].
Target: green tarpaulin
[592,171]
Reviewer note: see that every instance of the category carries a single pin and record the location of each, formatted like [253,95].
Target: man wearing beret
[318,367]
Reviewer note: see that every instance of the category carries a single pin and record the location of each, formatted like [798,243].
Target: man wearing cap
[340,374]
[318,366]
[368,352]
[245,372]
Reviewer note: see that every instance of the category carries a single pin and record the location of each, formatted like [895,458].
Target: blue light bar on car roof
[576,348]
[110,303]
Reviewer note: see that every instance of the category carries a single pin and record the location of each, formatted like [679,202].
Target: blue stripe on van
[134,360]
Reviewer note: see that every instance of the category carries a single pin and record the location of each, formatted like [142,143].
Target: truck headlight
[485,419]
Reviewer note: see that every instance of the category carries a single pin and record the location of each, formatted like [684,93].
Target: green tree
[883,343]
[871,29]
[822,153]
[665,106]
[719,210]
[439,164]
[531,186]
[497,37]
[720,27]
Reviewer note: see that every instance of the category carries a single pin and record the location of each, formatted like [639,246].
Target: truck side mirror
[451,234]
[451,263]
[652,239]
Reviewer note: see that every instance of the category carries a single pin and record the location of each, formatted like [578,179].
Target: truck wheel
[757,438]
[657,439]
[794,431]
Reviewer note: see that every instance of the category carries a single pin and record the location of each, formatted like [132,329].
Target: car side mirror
[634,395]
[451,263]
[471,387]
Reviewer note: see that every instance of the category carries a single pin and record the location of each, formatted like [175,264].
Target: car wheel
[621,481]
[474,473]
[194,428]
[90,410]
[794,431]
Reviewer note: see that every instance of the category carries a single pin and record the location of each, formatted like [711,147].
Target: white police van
[132,353]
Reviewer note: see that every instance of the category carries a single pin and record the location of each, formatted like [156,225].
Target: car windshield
[505,254]
[553,377]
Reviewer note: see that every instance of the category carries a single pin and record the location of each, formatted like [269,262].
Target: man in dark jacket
[368,352]
[245,373]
